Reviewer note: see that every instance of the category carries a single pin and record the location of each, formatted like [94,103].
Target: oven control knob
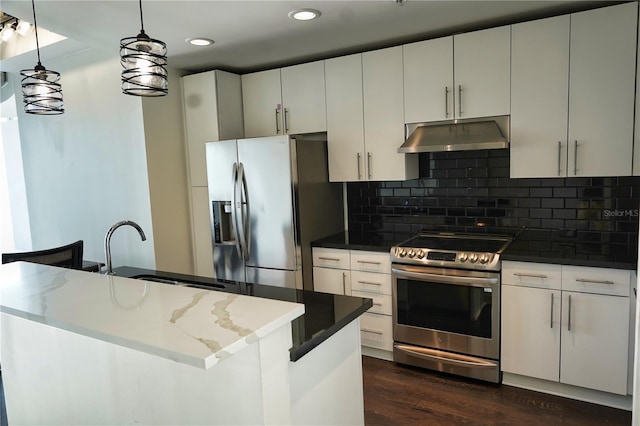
[463,257]
[420,254]
[473,258]
[484,258]
[402,252]
[411,253]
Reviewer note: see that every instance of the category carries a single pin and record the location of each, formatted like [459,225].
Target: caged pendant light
[144,63]
[41,91]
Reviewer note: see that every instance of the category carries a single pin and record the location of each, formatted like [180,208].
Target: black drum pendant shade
[144,64]
[41,90]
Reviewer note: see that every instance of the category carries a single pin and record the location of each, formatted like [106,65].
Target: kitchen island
[80,348]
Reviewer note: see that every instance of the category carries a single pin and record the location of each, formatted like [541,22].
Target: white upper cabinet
[382,82]
[428,80]
[285,101]
[262,101]
[213,111]
[303,95]
[571,107]
[462,76]
[345,118]
[539,97]
[482,72]
[365,123]
[601,99]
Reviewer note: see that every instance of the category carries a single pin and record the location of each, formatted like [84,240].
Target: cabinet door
[262,103]
[530,332]
[201,121]
[603,60]
[345,118]
[202,239]
[384,117]
[539,97]
[595,341]
[428,83]
[327,280]
[303,97]
[482,72]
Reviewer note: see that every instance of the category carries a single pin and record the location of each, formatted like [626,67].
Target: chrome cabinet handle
[460,100]
[286,125]
[277,126]
[359,172]
[369,262]
[368,330]
[559,156]
[551,310]
[369,164]
[569,316]
[335,259]
[575,157]
[344,283]
[370,283]
[520,274]
[446,101]
[583,280]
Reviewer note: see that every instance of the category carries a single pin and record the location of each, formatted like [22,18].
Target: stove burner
[463,251]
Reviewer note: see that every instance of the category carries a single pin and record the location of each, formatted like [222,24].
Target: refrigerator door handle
[234,215]
[245,212]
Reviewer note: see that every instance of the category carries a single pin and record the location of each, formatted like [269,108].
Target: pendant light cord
[141,21]
[35,25]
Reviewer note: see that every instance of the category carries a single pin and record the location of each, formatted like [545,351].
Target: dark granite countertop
[325,314]
[548,246]
[529,245]
[368,241]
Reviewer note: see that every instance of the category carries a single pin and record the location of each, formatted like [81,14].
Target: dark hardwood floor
[400,395]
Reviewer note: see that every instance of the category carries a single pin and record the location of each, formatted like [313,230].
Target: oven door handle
[445,279]
[445,357]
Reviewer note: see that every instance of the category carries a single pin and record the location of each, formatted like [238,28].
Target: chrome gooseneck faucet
[107,241]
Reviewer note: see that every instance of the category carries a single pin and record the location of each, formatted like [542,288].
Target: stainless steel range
[446,303]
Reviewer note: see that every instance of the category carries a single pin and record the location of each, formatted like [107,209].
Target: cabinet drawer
[371,282]
[371,261]
[529,274]
[376,331]
[331,258]
[615,282]
[381,302]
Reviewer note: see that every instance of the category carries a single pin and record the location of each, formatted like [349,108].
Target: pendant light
[41,91]
[144,63]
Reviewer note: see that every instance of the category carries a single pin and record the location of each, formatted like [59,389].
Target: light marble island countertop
[188,325]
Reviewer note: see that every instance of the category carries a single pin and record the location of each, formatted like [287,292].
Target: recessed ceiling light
[304,14]
[199,41]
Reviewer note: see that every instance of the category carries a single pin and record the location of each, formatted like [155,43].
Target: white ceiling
[255,35]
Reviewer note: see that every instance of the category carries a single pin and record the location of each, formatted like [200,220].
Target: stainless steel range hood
[457,135]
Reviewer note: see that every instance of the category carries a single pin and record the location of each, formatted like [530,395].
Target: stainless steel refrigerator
[269,198]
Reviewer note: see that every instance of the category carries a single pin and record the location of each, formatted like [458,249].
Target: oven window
[444,307]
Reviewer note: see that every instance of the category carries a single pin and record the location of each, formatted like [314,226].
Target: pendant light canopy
[41,91]
[144,63]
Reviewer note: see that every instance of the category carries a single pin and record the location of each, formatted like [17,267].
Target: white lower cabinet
[361,274]
[328,280]
[570,327]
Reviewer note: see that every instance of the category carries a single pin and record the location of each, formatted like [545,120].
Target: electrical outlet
[567,232]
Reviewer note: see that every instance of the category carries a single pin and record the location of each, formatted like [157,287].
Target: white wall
[168,183]
[86,169]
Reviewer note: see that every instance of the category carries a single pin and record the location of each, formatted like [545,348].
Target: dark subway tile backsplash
[472,189]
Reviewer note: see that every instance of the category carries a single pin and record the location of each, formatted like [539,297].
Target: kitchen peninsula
[80,348]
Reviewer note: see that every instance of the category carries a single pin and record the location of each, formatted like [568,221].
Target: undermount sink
[180,283]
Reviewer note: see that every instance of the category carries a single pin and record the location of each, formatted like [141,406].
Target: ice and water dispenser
[222,223]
